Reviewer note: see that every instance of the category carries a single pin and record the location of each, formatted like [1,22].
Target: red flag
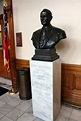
[6,47]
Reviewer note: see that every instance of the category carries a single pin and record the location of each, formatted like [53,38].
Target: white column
[46,88]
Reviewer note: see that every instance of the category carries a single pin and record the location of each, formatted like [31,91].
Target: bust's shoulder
[37,31]
[56,29]
[36,34]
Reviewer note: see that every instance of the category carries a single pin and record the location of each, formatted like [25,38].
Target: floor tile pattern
[12,108]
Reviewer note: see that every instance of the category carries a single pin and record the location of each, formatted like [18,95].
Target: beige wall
[66,15]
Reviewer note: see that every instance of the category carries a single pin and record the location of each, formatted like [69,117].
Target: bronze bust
[45,39]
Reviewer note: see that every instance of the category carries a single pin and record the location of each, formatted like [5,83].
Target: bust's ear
[51,18]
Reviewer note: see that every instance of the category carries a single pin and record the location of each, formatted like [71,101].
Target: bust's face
[45,18]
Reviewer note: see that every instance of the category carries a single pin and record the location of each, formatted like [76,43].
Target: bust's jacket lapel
[35,38]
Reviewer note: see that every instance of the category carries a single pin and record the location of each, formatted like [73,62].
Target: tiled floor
[14,109]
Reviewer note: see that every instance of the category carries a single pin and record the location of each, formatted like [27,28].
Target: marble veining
[46,104]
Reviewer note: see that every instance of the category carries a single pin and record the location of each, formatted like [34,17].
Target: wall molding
[20,63]
[70,81]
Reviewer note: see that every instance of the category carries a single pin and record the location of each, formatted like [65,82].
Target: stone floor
[12,108]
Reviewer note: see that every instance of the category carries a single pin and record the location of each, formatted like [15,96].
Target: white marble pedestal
[46,88]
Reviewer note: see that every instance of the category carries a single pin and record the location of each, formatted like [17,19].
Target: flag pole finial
[5,3]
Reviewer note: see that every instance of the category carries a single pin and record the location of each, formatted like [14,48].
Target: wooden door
[71,84]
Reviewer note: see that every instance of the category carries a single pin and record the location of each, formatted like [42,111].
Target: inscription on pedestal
[42,77]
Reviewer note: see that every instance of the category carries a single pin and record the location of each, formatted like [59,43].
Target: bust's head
[45,17]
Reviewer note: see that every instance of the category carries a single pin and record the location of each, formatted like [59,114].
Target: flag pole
[6,52]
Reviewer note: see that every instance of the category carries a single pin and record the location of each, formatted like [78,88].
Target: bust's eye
[43,17]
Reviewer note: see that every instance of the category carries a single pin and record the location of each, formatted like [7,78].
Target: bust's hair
[48,12]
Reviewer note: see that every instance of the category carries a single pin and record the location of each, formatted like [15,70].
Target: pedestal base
[46,88]
[45,55]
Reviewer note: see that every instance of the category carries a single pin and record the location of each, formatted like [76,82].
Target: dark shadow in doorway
[3,90]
